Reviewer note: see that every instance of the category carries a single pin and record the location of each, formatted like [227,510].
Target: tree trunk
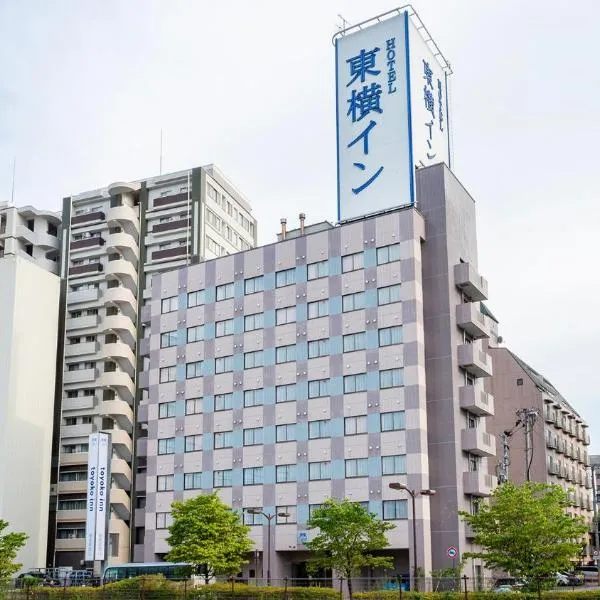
[206,577]
[350,587]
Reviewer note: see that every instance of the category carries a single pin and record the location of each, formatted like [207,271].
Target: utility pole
[528,417]
[505,462]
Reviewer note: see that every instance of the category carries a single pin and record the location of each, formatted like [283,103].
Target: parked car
[505,588]
[571,579]
[589,572]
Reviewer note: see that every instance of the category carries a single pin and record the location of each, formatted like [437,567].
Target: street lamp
[413,494]
[269,518]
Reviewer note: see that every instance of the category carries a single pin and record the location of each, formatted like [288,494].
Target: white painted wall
[29,303]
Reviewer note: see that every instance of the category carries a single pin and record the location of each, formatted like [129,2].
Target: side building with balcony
[113,239]
[560,435]
[332,363]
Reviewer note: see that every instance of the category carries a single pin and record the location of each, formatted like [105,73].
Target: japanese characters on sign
[383,129]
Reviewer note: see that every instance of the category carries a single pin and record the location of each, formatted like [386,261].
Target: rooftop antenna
[161,152]
[345,24]
[12,192]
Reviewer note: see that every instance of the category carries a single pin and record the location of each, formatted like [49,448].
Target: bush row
[578,594]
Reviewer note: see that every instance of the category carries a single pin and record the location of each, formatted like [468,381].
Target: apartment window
[166,410]
[317,348]
[319,470]
[193,443]
[168,339]
[72,504]
[354,301]
[168,305]
[164,520]
[357,467]
[192,481]
[222,478]
[223,402]
[389,294]
[193,406]
[285,354]
[253,359]
[353,262]
[391,378]
[73,476]
[223,439]
[166,446]
[285,277]
[72,394]
[319,308]
[70,533]
[355,383]
[285,393]
[196,298]
[286,432]
[211,192]
[253,476]
[193,369]
[318,429]
[392,421]
[312,509]
[289,510]
[253,322]
[195,334]
[285,315]
[70,421]
[394,510]
[167,374]
[355,425]
[253,436]
[285,473]
[393,465]
[473,462]
[254,285]
[224,364]
[253,397]
[225,291]
[388,336]
[252,518]
[355,341]
[387,254]
[164,483]
[75,448]
[223,328]
[318,388]
[317,270]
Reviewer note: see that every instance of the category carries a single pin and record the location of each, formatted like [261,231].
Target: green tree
[10,544]
[209,535]
[348,535]
[525,530]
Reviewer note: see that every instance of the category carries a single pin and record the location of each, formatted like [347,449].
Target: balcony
[120,503]
[475,400]
[170,253]
[87,218]
[122,353]
[123,187]
[144,347]
[75,431]
[469,532]
[118,410]
[168,200]
[80,376]
[94,242]
[123,243]
[121,472]
[470,282]
[73,458]
[87,269]
[472,320]
[146,314]
[476,362]
[169,226]
[478,441]
[478,483]
[71,515]
[70,544]
[119,381]
[72,487]
[83,322]
[83,349]
[121,268]
[89,295]
[119,295]
[123,326]
[123,215]
[121,442]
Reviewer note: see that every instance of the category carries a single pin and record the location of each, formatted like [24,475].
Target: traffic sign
[452,552]
[596,552]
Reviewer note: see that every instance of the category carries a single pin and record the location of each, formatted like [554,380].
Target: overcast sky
[86,86]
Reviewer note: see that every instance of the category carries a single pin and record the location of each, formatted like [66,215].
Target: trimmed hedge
[578,594]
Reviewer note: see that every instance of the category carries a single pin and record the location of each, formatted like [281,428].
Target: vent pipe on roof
[302,217]
[283,228]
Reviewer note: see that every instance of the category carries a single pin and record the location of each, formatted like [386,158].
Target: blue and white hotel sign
[392,115]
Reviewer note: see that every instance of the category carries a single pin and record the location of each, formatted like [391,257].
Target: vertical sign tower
[391,111]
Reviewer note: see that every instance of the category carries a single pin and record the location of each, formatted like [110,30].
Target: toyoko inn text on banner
[392,113]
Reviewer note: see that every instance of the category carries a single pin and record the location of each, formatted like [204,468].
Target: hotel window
[317,270]
[286,432]
[164,520]
[355,383]
[286,277]
[253,397]
[253,476]
[289,510]
[355,341]
[355,425]
[168,339]
[193,369]
[352,302]
[353,262]
[285,473]
[319,308]
[164,483]
[168,305]
[391,378]
[319,470]
[388,336]
[223,439]
[387,254]
[192,481]
[285,315]
[318,388]
[252,518]
[389,294]
[317,348]
[285,354]
[392,421]
[193,406]
[196,298]
[223,328]
[193,443]
[394,510]
[393,465]
[195,334]
[224,364]
[166,410]
[312,508]
[225,291]
[253,436]
[254,285]
[167,374]
[285,393]
[222,478]
[253,322]
[166,446]
[253,359]
[357,467]
[318,429]
[223,402]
